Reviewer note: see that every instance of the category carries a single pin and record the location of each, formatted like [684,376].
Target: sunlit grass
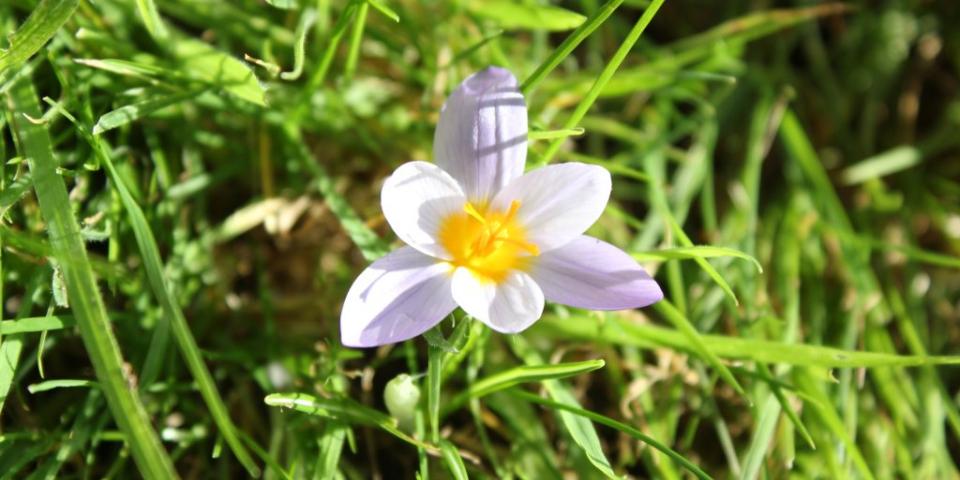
[189,188]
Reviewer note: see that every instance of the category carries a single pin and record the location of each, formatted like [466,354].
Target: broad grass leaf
[511,15]
[217,68]
[40,26]
[130,113]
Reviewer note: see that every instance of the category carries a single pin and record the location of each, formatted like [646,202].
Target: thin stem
[356,37]
[604,77]
[434,370]
[565,48]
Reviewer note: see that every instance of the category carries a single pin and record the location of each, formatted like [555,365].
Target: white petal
[590,273]
[415,199]
[398,297]
[481,137]
[509,307]
[557,202]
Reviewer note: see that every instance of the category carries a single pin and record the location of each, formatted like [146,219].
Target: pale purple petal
[415,201]
[396,298]
[557,202]
[481,137]
[509,306]
[592,274]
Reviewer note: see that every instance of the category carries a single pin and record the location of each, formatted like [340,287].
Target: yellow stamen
[514,206]
[490,243]
[472,211]
[530,247]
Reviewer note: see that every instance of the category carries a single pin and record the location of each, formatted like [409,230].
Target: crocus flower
[482,235]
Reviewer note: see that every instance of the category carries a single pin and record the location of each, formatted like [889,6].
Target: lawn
[189,189]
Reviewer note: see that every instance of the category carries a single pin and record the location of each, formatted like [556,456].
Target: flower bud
[401,396]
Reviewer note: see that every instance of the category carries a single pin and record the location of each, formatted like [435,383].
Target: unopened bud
[401,396]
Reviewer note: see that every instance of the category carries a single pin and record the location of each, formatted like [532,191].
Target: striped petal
[592,274]
[415,200]
[481,137]
[509,306]
[557,202]
[396,298]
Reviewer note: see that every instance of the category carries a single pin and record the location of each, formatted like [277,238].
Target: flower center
[489,243]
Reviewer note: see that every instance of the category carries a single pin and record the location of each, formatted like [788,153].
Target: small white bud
[401,396]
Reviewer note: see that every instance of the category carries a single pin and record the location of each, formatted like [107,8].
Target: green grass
[189,188]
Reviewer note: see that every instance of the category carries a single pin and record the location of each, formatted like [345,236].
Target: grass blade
[892,161]
[568,45]
[702,262]
[174,315]
[344,409]
[21,453]
[454,463]
[219,69]
[434,380]
[34,143]
[627,429]
[307,19]
[613,166]
[10,348]
[387,11]
[283,4]
[658,198]
[371,245]
[511,15]
[356,38]
[696,342]
[762,439]
[130,113]
[467,52]
[81,432]
[552,134]
[40,26]
[12,345]
[785,405]
[828,414]
[331,449]
[800,149]
[696,251]
[598,85]
[515,376]
[913,253]
[61,383]
[36,324]
[175,320]
[14,192]
[579,428]
[268,460]
[618,331]
[756,25]
[333,41]
[151,19]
